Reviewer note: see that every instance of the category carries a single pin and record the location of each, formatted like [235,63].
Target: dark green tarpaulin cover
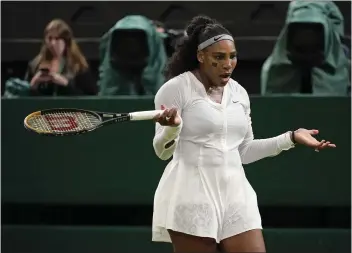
[111,81]
[280,76]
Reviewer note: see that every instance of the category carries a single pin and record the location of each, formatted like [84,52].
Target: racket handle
[144,115]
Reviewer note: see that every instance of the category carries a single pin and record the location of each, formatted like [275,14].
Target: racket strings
[62,121]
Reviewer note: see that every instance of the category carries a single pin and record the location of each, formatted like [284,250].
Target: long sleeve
[170,94]
[29,73]
[252,150]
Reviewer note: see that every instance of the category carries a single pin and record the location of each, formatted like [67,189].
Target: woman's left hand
[59,79]
[304,137]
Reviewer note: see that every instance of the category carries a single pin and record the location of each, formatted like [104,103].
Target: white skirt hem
[163,236]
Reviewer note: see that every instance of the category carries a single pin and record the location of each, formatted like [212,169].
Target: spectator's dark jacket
[80,84]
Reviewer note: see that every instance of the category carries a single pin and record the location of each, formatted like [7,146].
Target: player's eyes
[218,57]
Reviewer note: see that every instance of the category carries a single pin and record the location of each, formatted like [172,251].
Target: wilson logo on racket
[61,122]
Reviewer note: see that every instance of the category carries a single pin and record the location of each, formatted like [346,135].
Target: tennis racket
[69,121]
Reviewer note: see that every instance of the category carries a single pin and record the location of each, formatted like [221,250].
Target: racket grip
[144,115]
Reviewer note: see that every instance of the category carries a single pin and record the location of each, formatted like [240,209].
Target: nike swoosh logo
[216,39]
[233,101]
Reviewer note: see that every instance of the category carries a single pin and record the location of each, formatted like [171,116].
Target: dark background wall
[99,187]
[254,24]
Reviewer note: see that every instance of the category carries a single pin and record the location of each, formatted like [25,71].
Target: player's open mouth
[225,77]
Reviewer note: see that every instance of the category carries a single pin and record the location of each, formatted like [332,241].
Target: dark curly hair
[199,29]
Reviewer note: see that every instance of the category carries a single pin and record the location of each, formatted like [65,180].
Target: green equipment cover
[113,81]
[279,75]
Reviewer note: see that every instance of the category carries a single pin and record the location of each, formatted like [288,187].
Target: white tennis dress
[203,190]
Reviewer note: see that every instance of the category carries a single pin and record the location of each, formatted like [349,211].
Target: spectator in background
[309,56]
[132,58]
[60,69]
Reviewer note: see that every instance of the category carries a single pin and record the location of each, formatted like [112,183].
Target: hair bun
[198,23]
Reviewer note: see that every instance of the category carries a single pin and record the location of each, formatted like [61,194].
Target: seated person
[60,69]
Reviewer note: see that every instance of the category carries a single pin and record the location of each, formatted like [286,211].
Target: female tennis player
[204,201]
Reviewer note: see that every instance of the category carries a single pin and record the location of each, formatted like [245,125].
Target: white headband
[213,40]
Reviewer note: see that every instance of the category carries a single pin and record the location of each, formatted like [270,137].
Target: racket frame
[108,116]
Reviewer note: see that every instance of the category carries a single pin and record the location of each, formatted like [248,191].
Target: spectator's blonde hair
[75,60]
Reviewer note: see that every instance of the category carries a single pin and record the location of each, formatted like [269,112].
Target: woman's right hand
[39,78]
[169,117]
